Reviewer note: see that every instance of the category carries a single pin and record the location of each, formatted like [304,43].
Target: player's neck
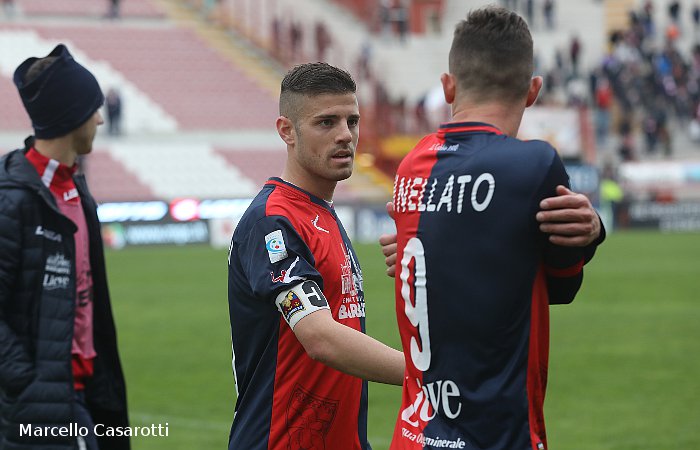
[60,149]
[505,117]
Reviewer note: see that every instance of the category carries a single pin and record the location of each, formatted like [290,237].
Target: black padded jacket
[37,307]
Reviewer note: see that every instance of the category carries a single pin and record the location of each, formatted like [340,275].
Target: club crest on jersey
[309,418]
[291,305]
[274,243]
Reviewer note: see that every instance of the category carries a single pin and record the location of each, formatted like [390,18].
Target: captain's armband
[299,301]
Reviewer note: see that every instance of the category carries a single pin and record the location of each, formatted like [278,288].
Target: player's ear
[533,91]
[449,87]
[285,128]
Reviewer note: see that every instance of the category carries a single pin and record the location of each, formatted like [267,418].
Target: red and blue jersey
[286,400]
[475,277]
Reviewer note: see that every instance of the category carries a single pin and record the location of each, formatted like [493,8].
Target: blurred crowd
[646,86]
[644,91]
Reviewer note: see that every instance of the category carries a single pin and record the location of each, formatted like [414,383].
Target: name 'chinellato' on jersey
[475,277]
[287,246]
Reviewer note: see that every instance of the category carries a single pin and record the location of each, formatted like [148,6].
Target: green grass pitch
[624,359]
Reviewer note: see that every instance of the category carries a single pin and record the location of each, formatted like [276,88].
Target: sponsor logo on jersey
[435,442]
[315,224]
[274,243]
[351,310]
[437,397]
[353,304]
[291,305]
[346,277]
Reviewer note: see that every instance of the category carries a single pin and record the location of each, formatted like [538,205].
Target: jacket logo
[48,234]
[70,195]
[57,272]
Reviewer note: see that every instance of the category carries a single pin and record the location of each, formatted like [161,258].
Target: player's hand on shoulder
[569,219]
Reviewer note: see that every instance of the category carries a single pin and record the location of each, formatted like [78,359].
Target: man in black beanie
[60,374]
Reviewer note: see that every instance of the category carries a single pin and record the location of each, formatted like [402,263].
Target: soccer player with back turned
[475,271]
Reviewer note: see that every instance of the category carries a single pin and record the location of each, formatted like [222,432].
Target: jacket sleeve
[563,266]
[16,367]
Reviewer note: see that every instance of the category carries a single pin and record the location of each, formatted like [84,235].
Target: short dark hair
[491,55]
[313,79]
[38,67]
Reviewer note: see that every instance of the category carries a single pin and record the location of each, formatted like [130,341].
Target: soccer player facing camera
[296,300]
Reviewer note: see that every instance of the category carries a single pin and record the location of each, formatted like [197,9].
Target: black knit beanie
[62,98]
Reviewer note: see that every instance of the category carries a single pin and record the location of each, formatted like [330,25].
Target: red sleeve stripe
[566,272]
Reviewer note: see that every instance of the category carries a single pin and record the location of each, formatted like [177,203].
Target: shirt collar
[54,175]
[467,127]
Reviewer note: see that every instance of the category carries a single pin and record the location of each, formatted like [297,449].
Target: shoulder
[428,142]
[15,199]
[265,214]
[528,154]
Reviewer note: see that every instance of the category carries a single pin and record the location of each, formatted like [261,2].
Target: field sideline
[624,359]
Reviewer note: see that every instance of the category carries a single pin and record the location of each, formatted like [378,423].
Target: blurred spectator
[695,14]
[277,38]
[626,150]
[399,15]
[113,103]
[422,122]
[674,11]
[612,200]
[113,12]
[385,18]
[548,11]
[574,54]
[323,41]
[603,103]
[296,37]
[647,18]
[365,60]
[530,13]
[8,7]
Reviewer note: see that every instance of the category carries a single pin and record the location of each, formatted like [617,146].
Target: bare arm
[349,350]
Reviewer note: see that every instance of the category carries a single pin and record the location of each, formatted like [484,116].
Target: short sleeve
[274,257]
